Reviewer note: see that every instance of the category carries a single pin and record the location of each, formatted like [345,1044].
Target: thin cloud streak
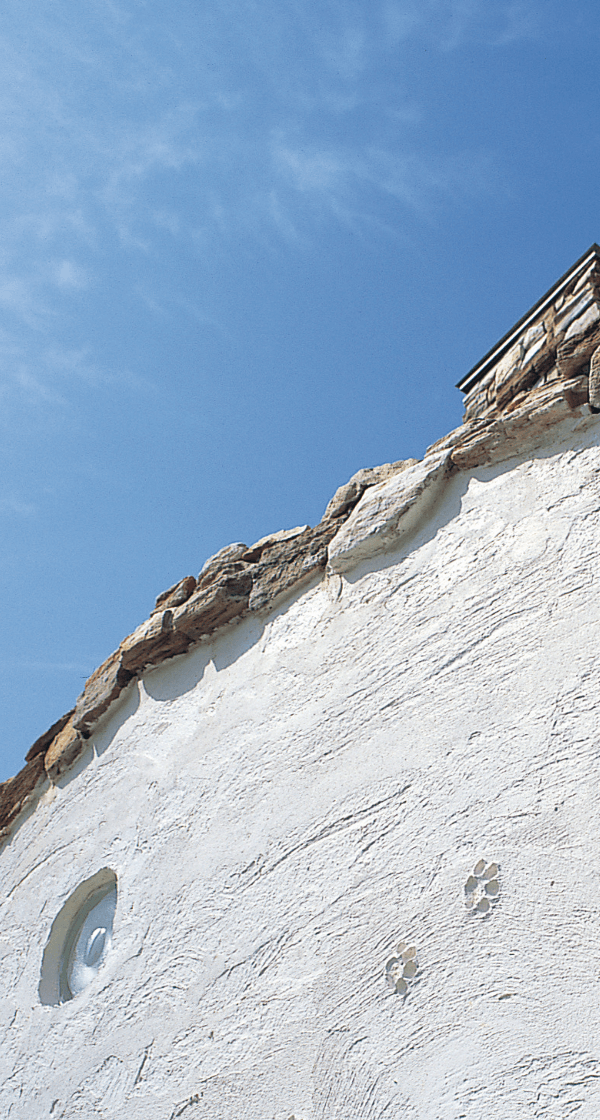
[334,178]
[205,126]
[42,377]
[17,507]
[220,132]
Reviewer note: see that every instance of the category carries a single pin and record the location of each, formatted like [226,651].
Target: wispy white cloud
[108,165]
[41,376]
[260,121]
[523,21]
[12,505]
[450,24]
[111,159]
[17,296]
[318,171]
[68,274]
[345,50]
[337,180]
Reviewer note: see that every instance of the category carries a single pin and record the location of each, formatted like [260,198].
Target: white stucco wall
[284,804]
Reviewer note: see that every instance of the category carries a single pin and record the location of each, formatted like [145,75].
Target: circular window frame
[54,986]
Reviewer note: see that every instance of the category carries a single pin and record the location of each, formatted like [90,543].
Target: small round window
[80,939]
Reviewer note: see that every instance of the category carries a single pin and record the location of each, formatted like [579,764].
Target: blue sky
[246,249]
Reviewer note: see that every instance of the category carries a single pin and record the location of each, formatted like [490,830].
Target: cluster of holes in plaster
[79,939]
[402,970]
[482,888]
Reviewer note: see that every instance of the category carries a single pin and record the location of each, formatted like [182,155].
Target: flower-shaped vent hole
[79,939]
[482,888]
[401,969]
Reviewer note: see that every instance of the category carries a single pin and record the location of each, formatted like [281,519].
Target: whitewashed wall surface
[355,839]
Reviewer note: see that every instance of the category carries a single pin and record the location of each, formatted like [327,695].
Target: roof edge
[499,348]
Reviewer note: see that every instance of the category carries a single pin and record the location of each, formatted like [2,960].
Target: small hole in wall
[79,939]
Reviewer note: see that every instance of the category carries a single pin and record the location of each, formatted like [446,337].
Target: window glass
[89,943]
[79,939]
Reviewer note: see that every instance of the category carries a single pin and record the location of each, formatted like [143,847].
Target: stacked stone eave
[554,342]
[549,373]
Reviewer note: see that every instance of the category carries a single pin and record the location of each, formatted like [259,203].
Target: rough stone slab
[590,276]
[288,564]
[531,351]
[152,642]
[524,429]
[521,381]
[594,386]
[18,791]
[576,391]
[524,379]
[475,404]
[220,562]
[44,740]
[534,334]
[216,604]
[387,513]
[574,352]
[572,311]
[351,492]
[63,750]
[583,323]
[507,365]
[104,686]
[458,435]
[176,595]
[255,551]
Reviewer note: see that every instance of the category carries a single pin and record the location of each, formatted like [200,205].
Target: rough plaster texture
[285,803]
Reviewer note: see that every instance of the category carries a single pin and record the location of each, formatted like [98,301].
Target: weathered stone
[288,564]
[507,365]
[16,793]
[44,740]
[577,348]
[594,386]
[64,749]
[176,595]
[590,277]
[211,606]
[475,404]
[521,431]
[351,492]
[219,562]
[525,377]
[101,689]
[387,513]
[584,323]
[572,311]
[568,323]
[576,391]
[152,642]
[256,550]
[458,435]
[531,352]
[535,334]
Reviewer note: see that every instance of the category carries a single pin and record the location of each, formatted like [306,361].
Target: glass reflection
[89,942]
